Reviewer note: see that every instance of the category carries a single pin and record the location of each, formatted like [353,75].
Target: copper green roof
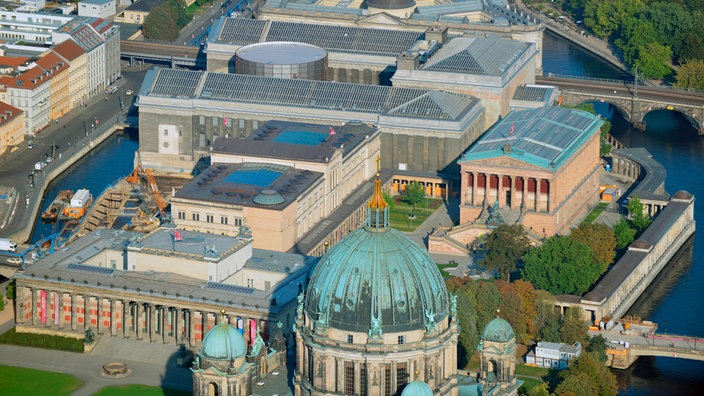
[377,278]
[417,388]
[546,137]
[498,330]
[223,342]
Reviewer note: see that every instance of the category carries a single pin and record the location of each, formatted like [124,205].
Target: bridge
[624,349]
[170,55]
[631,101]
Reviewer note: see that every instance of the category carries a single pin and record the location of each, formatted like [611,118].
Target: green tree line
[649,34]
[165,21]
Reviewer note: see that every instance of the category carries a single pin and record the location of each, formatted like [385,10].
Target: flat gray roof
[311,94]
[544,137]
[533,93]
[347,39]
[194,244]
[297,141]
[256,185]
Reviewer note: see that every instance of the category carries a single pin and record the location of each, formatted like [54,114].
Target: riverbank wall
[58,167]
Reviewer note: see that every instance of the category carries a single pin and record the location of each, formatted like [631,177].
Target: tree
[587,376]
[161,24]
[546,318]
[634,34]
[488,300]
[604,17]
[574,328]
[598,345]
[465,289]
[388,199]
[517,307]
[624,234]
[414,194]
[639,219]
[505,247]
[600,239]
[691,74]
[561,266]
[654,60]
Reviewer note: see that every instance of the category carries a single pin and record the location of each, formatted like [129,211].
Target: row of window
[401,339]
[209,218]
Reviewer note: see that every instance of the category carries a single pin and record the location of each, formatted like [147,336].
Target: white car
[30,145]
[129,92]
[14,260]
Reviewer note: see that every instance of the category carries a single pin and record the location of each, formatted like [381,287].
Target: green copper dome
[417,388]
[498,330]
[223,342]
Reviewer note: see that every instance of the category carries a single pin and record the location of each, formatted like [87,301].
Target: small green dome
[498,330]
[417,388]
[377,276]
[223,342]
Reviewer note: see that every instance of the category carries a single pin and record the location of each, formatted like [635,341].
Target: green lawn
[443,267]
[531,371]
[42,341]
[595,212]
[399,214]
[140,390]
[22,381]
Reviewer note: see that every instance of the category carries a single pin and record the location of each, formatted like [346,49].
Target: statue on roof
[258,344]
[375,331]
[453,305]
[429,320]
[244,232]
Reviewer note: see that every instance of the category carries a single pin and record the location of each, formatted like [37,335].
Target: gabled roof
[12,61]
[8,113]
[52,64]
[545,137]
[491,55]
[346,39]
[312,94]
[69,50]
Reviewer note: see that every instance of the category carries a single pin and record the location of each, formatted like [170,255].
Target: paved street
[71,130]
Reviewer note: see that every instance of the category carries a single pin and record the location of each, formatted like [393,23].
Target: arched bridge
[631,101]
[625,349]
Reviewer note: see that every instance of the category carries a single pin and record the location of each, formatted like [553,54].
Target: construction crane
[134,179]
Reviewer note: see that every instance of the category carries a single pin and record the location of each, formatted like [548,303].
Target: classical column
[152,322]
[34,306]
[99,313]
[487,184]
[176,330]
[125,321]
[537,195]
[340,378]
[138,320]
[191,328]
[113,315]
[514,196]
[474,188]
[86,312]
[499,190]
[60,310]
[73,312]
[464,186]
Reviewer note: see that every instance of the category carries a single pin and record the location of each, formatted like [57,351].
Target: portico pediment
[382,18]
[503,162]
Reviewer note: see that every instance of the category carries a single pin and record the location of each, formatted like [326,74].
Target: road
[70,131]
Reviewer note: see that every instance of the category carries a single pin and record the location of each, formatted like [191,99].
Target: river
[674,300]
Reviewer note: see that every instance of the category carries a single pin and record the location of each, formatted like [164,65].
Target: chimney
[408,61]
[436,34]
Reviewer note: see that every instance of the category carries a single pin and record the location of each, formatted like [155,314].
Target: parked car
[129,92]
[30,145]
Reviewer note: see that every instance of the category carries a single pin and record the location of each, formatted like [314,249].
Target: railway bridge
[626,348]
[631,101]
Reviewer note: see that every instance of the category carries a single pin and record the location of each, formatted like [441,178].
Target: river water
[674,300]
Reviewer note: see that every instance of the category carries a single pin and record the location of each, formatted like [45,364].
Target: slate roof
[347,39]
[544,137]
[311,94]
[492,55]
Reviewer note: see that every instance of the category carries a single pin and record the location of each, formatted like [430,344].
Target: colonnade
[131,318]
[514,192]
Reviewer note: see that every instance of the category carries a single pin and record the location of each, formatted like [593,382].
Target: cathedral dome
[417,388]
[498,330]
[377,279]
[223,342]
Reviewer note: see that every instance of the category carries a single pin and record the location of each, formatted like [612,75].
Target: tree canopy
[574,327]
[561,265]
[600,239]
[639,218]
[414,193]
[165,21]
[587,376]
[505,247]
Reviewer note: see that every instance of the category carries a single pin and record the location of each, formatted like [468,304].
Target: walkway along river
[674,299]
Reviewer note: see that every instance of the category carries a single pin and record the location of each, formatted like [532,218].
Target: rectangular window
[401,340]
[223,220]
[238,222]
[201,120]
[166,132]
[181,215]
[350,339]
[215,121]
[209,218]
[363,381]
[310,365]
[349,378]
[401,376]
[388,391]
[113,263]
[241,123]
[250,283]
[195,216]
[255,124]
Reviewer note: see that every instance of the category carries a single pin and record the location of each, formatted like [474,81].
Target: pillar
[125,323]
[487,183]
[98,324]
[60,311]
[86,312]
[474,188]
[191,329]
[73,312]
[151,323]
[162,318]
[514,194]
[138,320]
[112,317]
[537,195]
[499,190]
[34,306]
